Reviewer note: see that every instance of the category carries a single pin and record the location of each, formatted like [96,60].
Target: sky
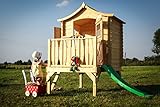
[26,25]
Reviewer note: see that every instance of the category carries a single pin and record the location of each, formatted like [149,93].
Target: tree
[156,41]
[19,62]
[6,63]
[29,62]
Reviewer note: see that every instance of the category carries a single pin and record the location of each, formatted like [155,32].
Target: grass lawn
[146,78]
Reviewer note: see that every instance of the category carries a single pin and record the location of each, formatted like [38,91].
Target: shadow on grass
[11,85]
[151,89]
[71,92]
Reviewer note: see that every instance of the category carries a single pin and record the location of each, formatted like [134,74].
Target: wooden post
[48,84]
[80,80]
[49,52]
[94,87]
[95,52]
[86,50]
[92,76]
[55,80]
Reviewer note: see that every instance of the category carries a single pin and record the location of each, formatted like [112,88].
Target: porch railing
[60,51]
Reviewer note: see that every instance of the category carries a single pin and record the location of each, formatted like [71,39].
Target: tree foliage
[20,62]
[149,60]
[156,41]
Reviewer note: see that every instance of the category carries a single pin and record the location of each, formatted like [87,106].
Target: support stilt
[48,84]
[51,85]
[81,80]
[92,76]
[55,80]
[95,87]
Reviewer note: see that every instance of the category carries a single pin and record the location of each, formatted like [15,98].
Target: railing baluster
[64,52]
[90,51]
[61,52]
[56,52]
[49,52]
[86,51]
[53,52]
[77,47]
[82,50]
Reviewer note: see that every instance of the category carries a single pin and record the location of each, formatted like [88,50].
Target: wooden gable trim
[74,13]
[83,6]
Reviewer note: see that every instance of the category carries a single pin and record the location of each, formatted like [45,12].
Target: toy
[75,63]
[32,87]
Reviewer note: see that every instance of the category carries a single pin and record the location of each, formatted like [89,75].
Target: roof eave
[74,13]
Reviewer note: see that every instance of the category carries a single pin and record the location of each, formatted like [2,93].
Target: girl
[37,67]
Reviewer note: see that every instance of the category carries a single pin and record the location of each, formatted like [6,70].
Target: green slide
[116,77]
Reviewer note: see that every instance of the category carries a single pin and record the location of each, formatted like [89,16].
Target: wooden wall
[68,28]
[115,43]
[57,32]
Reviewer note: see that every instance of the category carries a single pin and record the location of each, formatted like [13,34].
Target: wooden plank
[49,52]
[56,52]
[116,27]
[62,29]
[64,52]
[116,32]
[95,52]
[115,63]
[115,22]
[115,39]
[48,87]
[55,80]
[115,50]
[116,57]
[73,47]
[92,69]
[57,32]
[53,52]
[91,51]
[86,51]
[61,53]
[77,41]
[68,52]
[82,50]
[92,76]
[80,80]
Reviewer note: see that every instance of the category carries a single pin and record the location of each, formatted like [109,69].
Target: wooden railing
[60,51]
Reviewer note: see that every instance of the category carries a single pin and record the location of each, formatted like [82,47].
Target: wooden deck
[60,52]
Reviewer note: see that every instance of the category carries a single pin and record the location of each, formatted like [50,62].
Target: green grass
[108,94]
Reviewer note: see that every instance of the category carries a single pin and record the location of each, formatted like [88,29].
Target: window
[98,30]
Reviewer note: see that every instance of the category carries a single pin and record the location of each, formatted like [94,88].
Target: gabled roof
[83,5]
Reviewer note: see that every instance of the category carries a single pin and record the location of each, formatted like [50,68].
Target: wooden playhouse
[95,37]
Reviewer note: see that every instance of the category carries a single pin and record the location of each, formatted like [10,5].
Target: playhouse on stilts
[90,38]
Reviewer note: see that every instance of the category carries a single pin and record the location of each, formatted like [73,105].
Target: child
[37,67]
